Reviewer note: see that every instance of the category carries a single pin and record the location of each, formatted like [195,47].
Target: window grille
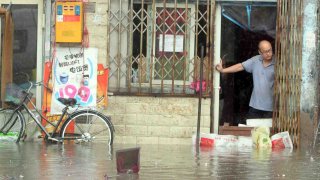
[154,47]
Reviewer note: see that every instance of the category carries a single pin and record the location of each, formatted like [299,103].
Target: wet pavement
[38,160]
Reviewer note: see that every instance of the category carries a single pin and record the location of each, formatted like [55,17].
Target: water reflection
[39,160]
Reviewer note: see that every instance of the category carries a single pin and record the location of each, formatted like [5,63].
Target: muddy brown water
[38,160]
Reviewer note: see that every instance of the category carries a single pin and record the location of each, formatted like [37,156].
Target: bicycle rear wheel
[12,125]
[87,126]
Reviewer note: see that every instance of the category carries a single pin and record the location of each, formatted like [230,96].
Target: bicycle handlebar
[40,83]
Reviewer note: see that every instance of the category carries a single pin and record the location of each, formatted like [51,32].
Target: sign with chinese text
[74,74]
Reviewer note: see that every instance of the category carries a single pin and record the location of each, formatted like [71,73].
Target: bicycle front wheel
[87,126]
[12,125]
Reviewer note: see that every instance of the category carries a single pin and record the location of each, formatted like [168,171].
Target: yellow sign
[69,22]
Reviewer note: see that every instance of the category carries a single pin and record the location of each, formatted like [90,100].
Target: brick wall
[156,120]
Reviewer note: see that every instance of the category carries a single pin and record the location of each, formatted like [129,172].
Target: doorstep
[234,130]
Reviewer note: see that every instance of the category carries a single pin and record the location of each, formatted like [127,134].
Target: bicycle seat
[68,101]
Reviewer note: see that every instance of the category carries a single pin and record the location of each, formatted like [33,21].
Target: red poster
[102,86]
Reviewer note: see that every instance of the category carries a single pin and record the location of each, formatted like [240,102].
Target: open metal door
[287,86]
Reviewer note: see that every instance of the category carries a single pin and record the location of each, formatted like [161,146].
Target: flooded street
[38,160]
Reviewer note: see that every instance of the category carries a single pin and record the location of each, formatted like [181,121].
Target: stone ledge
[151,140]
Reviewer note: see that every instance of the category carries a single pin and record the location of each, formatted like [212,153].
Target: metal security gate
[154,46]
[287,87]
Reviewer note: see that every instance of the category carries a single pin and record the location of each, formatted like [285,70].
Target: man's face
[265,51]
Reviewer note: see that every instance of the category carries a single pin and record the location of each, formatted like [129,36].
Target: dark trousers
[256,113]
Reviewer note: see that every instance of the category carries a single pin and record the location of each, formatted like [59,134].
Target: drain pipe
[200,94]
[216,80]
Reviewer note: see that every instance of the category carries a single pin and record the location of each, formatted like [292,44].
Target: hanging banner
[74,76]
[102,87]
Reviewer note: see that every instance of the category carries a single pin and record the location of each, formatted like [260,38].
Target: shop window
[154,47]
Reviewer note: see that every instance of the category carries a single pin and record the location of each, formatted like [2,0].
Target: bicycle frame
[58,134]
[2,130]
[38,122]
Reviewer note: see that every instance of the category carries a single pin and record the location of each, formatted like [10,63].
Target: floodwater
[39,160]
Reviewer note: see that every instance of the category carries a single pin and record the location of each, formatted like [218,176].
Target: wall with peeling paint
[310,72]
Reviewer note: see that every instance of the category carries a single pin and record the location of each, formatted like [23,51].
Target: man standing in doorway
[262,69]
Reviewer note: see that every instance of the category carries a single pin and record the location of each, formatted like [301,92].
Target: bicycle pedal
[54,139]
[40,136]
[78,141]
[23,137]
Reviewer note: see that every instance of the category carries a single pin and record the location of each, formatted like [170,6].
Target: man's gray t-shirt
[263,80]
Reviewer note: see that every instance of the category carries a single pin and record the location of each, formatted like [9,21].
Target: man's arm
[232,69]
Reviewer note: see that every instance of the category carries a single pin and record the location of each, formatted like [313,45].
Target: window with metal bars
[153,47]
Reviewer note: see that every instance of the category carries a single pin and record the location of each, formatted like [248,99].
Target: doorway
[27,40]
[243,25]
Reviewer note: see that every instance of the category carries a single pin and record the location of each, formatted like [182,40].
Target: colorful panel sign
[74,76]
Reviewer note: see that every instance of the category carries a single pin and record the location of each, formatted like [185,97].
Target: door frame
[40,27]
[217,58]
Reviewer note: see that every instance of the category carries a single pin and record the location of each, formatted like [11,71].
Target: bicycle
[81,125]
